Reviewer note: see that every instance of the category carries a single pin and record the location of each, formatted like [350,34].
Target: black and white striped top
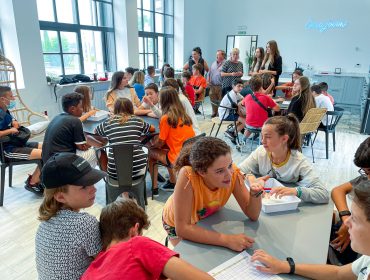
[129,132]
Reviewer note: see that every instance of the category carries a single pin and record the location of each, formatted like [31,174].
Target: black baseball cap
[69,169]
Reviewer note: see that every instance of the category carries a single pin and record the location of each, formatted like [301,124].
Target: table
[302,234]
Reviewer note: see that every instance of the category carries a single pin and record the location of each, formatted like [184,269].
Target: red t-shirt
[288,92]
[191,93]
[256,115]
[138,258]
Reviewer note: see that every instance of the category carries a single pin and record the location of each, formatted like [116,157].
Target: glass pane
[69,42]
[66,11]
[87,12]
[110,52]
[169,51]
[49,41]
[148,21]
[92,50]
[71,64]
[45,10]
[160,52]
[138,4]
[139,21]
[105,14]
[141,61]
[141,46]
[168,24]
[159,23]
[150,48]
[147,5]
[168,7]
[150,59]
[159,6]
[53,64]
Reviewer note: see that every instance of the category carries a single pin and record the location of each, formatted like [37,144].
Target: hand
[283,191]
[147,100]
[151,114]
[92,112]
[238,242]
[272,80]
[343,240]
[271,264]
[15,124]
[239,74]
[13,131]
[257,184]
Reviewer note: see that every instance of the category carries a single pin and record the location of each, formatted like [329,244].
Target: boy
[149,77]
[188,90]
[199,83]
[67,240]
[128,255]
[322,101]
[9,126]
[324,89]
[150,105]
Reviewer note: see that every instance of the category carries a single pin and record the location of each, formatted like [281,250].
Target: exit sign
[242,32]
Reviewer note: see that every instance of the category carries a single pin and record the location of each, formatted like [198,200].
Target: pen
[258,194]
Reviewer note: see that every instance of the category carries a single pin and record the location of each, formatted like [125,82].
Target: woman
[88,110]
[231,70]
[359,228]
[272,62]
[257,61]
[119,88]
[196,58]
[279,158]
[206,179]
[137,82]
[303,99]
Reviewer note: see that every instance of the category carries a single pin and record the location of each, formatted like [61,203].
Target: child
[128,255]
[67,240]
[322,101]
[359,228]
[199,83]
[207,177]
[175,127]
[187,88]
[287,88]
[150,105]
[324,89]
[137,82]
[88,110]
[278,157]
[149,77]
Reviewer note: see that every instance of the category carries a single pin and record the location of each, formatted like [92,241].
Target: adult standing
[231,70]
[272,63]
[196,58]
[215,79]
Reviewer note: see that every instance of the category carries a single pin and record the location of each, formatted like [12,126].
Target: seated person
[175,127]
[88,110]
[150,105]
[359,228]
[129,255]
[9,126]
[303,100]
[187,89]
[287,88]
[324,89]
[322,101]
[199,83]
[130,72]
[65,132]
[67,240]
[149,77]
[279,157]
[341,241]
[161,76]
[206,179]
[256,113]
[119,87]
[137,82]
[169,73]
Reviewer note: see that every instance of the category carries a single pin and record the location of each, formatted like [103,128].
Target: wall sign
[326,25]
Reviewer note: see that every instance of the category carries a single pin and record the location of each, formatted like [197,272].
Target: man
[322,101]
[149,77]
[215,80]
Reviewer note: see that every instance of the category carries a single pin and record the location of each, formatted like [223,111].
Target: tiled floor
[18,217]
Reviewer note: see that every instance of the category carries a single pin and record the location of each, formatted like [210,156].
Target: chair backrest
[312,120]
[217,104]
[332,119]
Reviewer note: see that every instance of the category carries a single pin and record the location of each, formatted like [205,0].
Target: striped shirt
[129,132]
[230,67]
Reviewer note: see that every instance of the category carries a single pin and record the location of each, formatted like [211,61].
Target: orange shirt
[288,92]
[205,201]
[198,81]
[174,137]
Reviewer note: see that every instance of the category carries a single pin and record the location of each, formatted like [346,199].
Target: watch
[344,213]
[291,264]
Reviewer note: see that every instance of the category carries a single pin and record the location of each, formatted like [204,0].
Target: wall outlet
[357,65]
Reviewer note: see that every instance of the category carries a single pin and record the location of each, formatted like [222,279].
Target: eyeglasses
[363,172]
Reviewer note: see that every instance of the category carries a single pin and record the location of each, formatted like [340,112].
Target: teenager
[149,77]
[150,105]
[186,88]
[199,83]
[258,57]
[287,88]
[88,109]
[322,101]
[324,88]
[137,82]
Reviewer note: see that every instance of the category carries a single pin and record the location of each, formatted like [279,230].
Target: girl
[175,127]
[207,177]
[257,61]
[88,110]
[119,88]
[272,62]
[137,82]
[135,256]
[303,99]
[67,240]
[359,228]
[278,157]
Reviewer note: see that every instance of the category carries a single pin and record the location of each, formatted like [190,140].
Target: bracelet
[291,265]
[299,192]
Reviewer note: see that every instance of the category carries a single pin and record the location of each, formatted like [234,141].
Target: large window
[156,25]
[77,36]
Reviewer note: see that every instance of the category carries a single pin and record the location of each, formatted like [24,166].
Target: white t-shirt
[323,101]
[190,111]
[123,93]
[235,97]
[361,267]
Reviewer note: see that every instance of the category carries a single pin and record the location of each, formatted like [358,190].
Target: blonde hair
[137,78]
[234,50]
[50,206]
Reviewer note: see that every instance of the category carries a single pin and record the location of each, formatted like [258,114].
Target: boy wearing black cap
[67,240]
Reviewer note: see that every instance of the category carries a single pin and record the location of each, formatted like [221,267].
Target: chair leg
[2,187]
[10,175]
[218,129]
[327,144]
[145,194]
[313,156]
[204,117]
[210,134]
[334,141]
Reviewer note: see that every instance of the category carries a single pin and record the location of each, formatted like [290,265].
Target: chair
[199,103]
[220,121]
[123,158]
[5,162]
[332,119]
[310,123]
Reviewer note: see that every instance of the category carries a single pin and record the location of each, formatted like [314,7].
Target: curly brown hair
[201,154]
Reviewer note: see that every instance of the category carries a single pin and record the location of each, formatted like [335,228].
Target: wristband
[299,192]
[344,213]
[291,265]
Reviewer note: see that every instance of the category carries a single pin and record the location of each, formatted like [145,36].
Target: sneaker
[231,136]
[160,178]
[155,192]
[37,189]
[168,186]
[197,112]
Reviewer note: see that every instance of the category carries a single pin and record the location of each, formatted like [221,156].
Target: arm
[338,195]
[276,108]
[9,131]
[142,112]
[15,124]
[111,98]
[87,115]
[176,268]
[251,164]
[206,68]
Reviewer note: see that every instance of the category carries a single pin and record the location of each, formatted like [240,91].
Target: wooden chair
[310,124]
[199,103]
